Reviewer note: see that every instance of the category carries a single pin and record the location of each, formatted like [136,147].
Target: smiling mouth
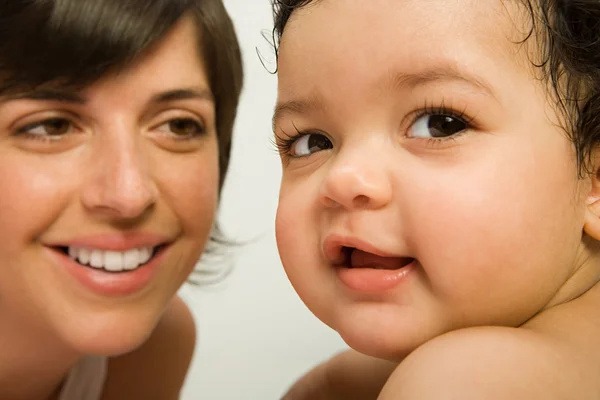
[112,261]
[354,258]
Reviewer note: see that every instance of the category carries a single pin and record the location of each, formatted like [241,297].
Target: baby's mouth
[355,258]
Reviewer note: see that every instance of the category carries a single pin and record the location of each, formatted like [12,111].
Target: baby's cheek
[298,241]
[490,248]
[456,223]
[293,232]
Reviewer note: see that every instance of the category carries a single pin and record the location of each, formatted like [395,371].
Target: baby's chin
[385,333]
[383,346]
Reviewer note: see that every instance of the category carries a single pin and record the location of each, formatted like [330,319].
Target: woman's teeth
[112,261]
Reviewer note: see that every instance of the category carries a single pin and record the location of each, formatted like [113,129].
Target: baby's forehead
[340,37]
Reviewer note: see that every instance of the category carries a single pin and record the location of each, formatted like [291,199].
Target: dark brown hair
[570,61]
[75,42]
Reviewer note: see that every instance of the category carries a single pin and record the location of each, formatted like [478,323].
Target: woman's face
[108,196]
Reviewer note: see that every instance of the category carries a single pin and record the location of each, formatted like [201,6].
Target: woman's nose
[120,184]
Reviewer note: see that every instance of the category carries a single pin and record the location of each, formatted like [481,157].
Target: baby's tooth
[97,258]
[73,252]
[113,261]
[131,259]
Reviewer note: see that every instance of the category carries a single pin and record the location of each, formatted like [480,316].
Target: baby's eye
[309,144]
[437,126]
[49,127]
[183,127]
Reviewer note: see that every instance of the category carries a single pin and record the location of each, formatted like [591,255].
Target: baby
[440,199]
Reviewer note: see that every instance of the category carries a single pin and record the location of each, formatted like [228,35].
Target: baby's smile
[356,258]
[363,267]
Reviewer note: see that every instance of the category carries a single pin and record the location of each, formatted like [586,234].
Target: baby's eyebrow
[437,74]
[395,81]
[302,106]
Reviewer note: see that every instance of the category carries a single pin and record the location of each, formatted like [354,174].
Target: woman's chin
[112,337]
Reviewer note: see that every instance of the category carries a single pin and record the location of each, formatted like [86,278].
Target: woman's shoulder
[555,356]
[157,369]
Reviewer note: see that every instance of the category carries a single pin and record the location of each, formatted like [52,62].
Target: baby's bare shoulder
[494,363]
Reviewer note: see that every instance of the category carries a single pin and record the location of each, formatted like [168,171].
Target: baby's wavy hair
[568,33]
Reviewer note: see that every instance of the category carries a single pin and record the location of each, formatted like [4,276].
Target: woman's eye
[309,144]
[49,127]
[437,126]
[183,127]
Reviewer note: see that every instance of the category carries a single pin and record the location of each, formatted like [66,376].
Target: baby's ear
[592,213]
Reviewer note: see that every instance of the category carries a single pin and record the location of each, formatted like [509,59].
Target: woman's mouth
[112,261]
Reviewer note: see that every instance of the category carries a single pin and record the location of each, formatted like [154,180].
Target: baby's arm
[157,369]
[346,376]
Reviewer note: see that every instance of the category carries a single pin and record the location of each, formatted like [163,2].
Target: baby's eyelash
[283,143]
[434,143]
[442,109]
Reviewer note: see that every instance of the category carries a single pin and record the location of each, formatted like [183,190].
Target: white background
[255,337]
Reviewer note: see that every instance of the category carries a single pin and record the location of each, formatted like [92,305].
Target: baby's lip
[335,248]
[360,259]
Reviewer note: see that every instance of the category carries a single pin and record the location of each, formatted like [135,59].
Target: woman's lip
[111,242]
[370,280]
[105,283]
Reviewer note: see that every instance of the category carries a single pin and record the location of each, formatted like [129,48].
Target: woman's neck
[33,363]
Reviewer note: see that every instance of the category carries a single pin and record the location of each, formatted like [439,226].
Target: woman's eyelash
[186,122]
[26,131]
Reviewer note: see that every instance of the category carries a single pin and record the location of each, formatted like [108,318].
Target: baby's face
[430,188]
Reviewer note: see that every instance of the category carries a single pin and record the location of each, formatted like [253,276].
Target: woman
[115,131]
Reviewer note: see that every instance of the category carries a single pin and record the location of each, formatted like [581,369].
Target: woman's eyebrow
[59,95]
[70,96]
[183,94]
